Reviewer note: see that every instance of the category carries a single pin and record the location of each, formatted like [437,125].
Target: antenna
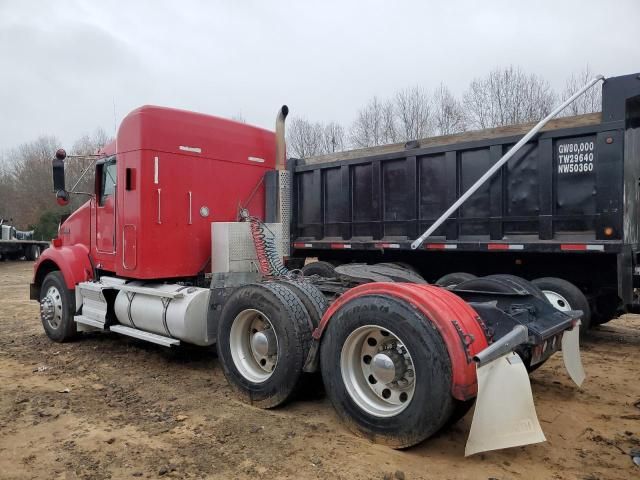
[114,116]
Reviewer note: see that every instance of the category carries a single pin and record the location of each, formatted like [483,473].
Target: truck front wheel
[386,371]
[57,307]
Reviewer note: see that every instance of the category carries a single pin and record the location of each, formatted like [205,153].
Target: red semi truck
[173,248]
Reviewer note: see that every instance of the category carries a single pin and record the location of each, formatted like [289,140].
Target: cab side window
[108,185]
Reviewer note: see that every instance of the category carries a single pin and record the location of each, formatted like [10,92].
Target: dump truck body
[565,205]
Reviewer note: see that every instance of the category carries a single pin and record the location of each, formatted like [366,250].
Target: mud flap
[571,354]
[311,363]
[504,415]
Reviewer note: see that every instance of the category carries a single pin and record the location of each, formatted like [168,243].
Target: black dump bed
[575,185]
[566,205]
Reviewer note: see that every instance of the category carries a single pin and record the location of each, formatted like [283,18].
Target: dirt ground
[110,407]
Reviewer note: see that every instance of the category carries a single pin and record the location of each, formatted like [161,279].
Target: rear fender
[458,324]
[72,261]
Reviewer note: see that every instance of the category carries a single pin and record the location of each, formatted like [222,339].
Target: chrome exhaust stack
[281,150]
[282,182]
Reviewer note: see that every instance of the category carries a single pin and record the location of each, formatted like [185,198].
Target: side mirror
[62,198]
[58,174]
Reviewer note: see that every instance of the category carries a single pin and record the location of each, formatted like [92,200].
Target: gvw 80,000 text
[575,157]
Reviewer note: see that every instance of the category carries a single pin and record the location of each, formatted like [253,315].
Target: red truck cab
[158,187]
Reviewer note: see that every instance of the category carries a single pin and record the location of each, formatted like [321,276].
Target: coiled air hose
[269,261]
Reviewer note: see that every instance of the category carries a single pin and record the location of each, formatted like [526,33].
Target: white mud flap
[504,415]
[571,354]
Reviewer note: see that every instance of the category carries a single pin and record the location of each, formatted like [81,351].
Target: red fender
[72,261]
[442,308]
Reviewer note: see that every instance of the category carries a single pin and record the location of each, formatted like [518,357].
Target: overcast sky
[65,64]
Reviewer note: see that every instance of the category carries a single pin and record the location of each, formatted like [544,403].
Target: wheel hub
[46,308]
[378,371]
[558,301]
[388,366]
[51,308]
[263,343]
[254,345]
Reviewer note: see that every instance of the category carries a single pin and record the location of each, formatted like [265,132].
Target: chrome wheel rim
[378,371]
[557,300]
[254,345]
[51,308]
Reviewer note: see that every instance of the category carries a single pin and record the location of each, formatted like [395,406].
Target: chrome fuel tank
[171,310]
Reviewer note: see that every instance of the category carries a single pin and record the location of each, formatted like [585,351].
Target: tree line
[26,182]
[505,96]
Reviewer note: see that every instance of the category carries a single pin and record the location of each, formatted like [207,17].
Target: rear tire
[322,269]
[311,297]
[406,273]
[460,410]
[564,295]
[531,287]
[452,279]
[606,308]
[403,265]
[350,386]
[315,304]
[263,374]
[57,308]
[32,253]
[510,284]
[501,284]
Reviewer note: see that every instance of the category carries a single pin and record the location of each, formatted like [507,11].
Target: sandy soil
[111,407]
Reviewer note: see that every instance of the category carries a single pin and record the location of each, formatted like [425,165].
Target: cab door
[106,206]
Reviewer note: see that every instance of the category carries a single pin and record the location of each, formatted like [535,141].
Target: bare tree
[374,125]
[304,139]
[26,184]
[414,113]
[448,114]
[238,117]
[507,96]
[390,129]
[333,138]
[590,101]
[366,130]
[89,145]
[30,173]
[7,190]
